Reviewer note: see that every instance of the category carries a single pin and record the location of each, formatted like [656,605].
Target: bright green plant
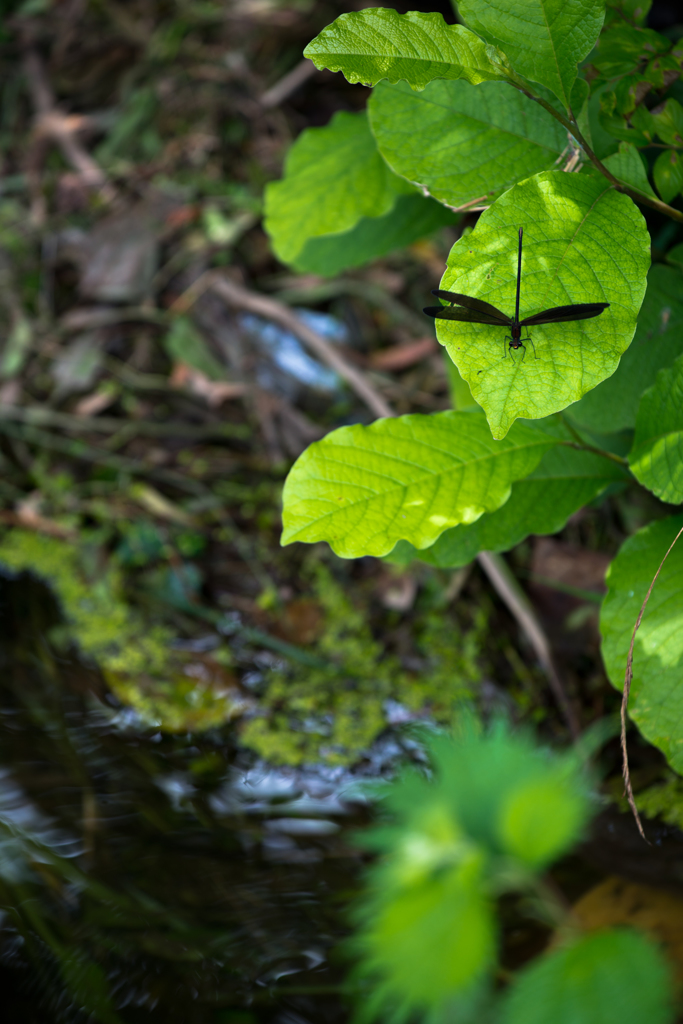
[563,117]
[495,814]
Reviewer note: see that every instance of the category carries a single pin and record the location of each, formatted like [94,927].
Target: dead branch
[288,84]
[509,590]
[270,309]
[62,129]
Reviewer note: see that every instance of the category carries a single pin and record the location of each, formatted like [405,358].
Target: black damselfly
[475,311]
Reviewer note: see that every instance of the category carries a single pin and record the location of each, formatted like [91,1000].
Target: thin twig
[628,679]
[507,588]
[292,81]
[85,453]
[271,309]
[61,128]
[40,416]
[574,129]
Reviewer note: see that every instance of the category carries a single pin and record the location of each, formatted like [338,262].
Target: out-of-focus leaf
[364,488]
[667,122]
[77,366]
[544,40]
[611,977]
[621,48]
[333,177]
[668,174]
[17,347]
[371,45]
[184,343]
[613,404]
[462,142]
[411,218]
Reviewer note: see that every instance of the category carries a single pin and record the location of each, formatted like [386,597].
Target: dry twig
[54,125]
[509,590]
[288,84]
[271,309]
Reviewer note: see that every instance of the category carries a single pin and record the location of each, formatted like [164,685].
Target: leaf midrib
[404,486]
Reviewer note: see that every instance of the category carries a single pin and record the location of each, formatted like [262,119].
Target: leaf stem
[573,128]
[580,445]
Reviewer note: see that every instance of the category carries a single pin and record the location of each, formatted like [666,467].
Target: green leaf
[667,121]
[613,404]
[541,503]
[627,165]
[656,703]
[583,242]
[411,218]
[443,921]
[668,174]
[362,489]
[609,977]
[621,48]
[185,344]
[463,143]
[333,177]
[656,458]
[542,817]
[543,40]
[379,43]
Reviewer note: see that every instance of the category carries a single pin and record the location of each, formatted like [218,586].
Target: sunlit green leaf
[583,242]
[656,701]
[463,142]
[541,503]
[378,43]
[364,488]
[333,177]
[657,455]
[412,217]
[610,977]
[613,404]
[544,40]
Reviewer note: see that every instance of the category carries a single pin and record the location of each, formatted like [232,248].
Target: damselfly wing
[466,309]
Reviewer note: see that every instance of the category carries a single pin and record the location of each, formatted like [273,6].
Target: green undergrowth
[334,713]
[167,689]
[663,800]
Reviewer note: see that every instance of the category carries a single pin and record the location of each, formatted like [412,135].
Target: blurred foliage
[454,841]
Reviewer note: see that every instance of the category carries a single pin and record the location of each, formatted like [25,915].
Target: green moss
[97,616]
[136,658]
[334,714]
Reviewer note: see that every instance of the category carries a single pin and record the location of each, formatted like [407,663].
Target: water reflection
[147,876]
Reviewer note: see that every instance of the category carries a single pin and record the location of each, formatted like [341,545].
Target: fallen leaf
[658,912]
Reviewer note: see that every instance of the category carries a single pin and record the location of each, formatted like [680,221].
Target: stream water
[153,877]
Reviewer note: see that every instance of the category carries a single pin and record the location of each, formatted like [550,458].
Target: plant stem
[581,445]
[573,128]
